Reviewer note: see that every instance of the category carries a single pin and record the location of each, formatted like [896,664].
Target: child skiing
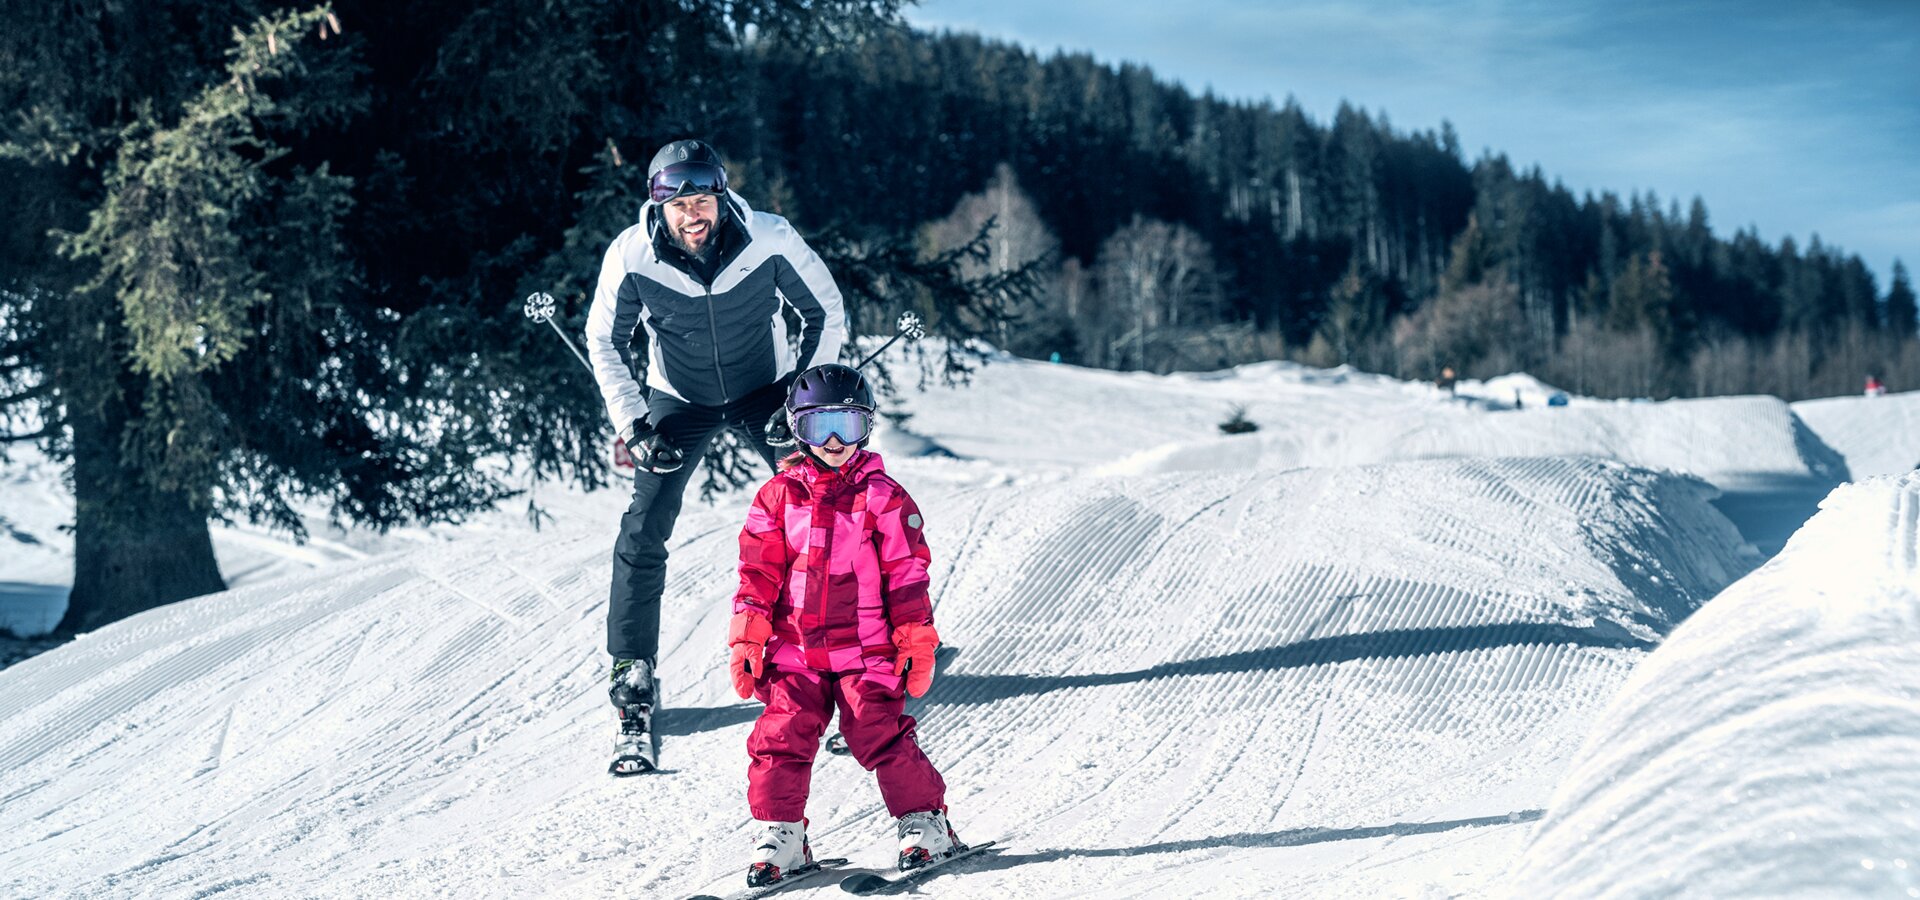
[833,612]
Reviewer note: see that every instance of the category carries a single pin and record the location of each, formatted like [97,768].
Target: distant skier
[1874,387]
[1446,380]
[833,612]
[687,338]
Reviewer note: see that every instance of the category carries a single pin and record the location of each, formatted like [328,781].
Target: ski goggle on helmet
[828,401]
[685,167]
[814,427]
[683,179]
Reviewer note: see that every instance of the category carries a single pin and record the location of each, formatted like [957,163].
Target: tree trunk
[135,547]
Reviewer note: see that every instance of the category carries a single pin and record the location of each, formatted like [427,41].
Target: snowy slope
[36,547]
[1229,677]
[36,556]
[1720,439]
[1338,674]
[1876,435]
[1316,417]
[1769,747]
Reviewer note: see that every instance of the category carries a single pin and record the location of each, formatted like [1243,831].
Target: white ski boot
[782,849]
[925,837]
[635,690]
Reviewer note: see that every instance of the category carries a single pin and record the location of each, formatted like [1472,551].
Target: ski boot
[782,850]
[925,837]
[634,691]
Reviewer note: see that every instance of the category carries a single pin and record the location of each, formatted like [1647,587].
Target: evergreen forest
[260,257]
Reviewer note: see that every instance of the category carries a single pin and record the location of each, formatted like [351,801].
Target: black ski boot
[635,690]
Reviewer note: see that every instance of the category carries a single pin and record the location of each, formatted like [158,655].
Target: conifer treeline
[1338,242]
[262,257]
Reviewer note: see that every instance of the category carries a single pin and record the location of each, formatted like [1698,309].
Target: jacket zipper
[713,329]
[820,501]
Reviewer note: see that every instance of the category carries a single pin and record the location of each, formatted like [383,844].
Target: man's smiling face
[691,220]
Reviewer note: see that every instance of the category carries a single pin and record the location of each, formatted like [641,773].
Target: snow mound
[1033,414]
[1505,389]
[38,553]
[1876,435]
[1717,439]
[1357,681]
[1769,746]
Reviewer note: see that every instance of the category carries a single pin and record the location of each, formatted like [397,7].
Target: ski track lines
[1114,613]
[240,735]
[1161,675]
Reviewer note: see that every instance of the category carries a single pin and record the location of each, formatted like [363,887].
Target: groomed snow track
[1253,684]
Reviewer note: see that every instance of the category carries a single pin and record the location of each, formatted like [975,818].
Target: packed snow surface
[1350,654]
[1769,746]
[1876,435]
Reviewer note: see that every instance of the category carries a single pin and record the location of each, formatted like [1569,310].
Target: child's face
[834,453]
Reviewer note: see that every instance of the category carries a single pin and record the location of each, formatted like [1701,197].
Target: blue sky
[1798,118]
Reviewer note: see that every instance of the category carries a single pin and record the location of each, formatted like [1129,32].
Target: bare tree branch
[45,432]
[33,393]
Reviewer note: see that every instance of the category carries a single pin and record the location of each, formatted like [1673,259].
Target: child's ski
[877,883]
[792,878]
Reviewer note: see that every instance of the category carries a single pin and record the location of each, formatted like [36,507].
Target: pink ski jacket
[836,561]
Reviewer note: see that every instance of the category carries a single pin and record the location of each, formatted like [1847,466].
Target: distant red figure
[1874,387]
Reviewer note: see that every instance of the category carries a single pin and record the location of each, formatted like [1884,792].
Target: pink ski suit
[836,561]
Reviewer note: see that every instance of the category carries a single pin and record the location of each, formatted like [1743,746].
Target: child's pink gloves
[747,634]
[915,644]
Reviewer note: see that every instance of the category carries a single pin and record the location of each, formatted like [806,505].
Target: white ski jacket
[654,323]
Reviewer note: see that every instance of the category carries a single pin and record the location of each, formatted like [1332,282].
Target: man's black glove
[652,451]
[779,432]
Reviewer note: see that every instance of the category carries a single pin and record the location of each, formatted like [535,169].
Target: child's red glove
[915,644]
[747,634]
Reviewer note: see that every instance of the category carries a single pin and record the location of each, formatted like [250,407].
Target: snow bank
[1717,439]
[36,554]
[1035,414]
[1504,390]
[1876,435]
[1769,746]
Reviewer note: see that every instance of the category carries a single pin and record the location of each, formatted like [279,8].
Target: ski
[792,878]
[635,755]
[867,883]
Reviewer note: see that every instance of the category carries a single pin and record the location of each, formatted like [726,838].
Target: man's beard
[705,251]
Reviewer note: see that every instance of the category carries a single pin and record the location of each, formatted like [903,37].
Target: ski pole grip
[540,306]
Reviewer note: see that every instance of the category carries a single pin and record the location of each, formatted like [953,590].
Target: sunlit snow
[1394,643]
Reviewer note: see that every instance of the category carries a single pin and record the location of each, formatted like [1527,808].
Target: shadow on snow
[1293,837]
[1398,644]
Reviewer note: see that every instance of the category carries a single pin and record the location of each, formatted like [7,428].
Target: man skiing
[688,336]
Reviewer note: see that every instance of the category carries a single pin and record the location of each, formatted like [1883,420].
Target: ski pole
[540,307]
[909,328]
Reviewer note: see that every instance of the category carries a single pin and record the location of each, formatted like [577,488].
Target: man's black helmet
[685,167]
[686,151]
[831,384]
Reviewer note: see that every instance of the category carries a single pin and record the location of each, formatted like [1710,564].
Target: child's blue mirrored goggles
[815,426]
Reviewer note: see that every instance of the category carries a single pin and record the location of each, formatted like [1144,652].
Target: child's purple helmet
[829,401]
[831,384]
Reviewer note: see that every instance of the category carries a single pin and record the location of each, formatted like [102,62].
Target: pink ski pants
[873,720]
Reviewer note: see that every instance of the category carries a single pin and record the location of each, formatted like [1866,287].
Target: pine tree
[282,286]
[1900,306]
[200,237]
